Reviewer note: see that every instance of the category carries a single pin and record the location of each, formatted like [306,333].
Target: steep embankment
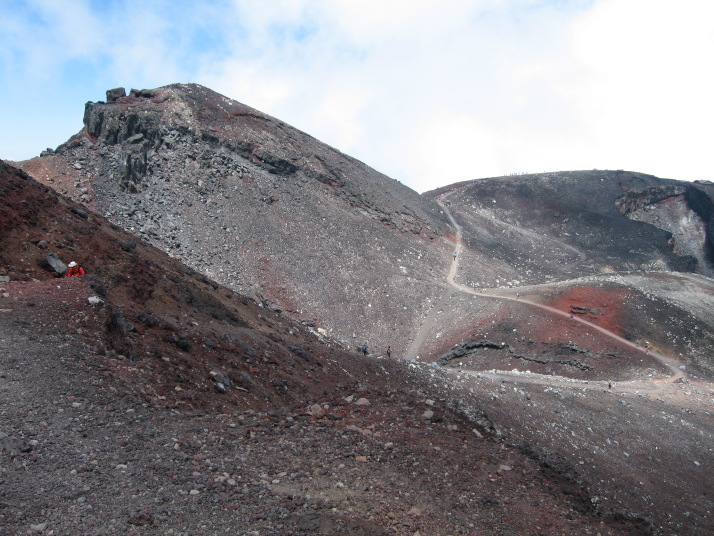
[167,403]
[258,206]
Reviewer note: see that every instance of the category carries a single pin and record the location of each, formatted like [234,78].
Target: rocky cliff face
[259,206]
[683,210]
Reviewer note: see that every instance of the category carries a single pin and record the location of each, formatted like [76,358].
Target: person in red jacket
[74,270]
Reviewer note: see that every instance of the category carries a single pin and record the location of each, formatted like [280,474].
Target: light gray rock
[316,411]
[53,263]
[220,377]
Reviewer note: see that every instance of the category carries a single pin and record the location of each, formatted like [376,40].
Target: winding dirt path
[672,364]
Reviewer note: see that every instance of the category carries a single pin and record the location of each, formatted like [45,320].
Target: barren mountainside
[534,228]
[553,333]
[144,398]
[273,213]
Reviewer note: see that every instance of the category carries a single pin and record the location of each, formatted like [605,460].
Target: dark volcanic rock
[535,228]
[465,348]
[115,94]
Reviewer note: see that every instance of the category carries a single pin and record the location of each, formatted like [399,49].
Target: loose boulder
[53,264]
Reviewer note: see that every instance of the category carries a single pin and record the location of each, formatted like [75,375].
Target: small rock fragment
[316,411]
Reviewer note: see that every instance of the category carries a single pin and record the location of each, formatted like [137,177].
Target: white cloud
[646,91]
[497,86]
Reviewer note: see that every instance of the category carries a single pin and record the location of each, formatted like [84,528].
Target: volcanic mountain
[273,213]
[576,313]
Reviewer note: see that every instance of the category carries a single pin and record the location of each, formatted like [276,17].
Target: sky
[429,93]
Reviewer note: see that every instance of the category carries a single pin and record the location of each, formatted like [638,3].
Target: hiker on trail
[455,255]
[518,295]
[389,352]
[75,270]
[364,348]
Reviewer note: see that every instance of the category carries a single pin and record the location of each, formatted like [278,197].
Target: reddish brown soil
[604,305]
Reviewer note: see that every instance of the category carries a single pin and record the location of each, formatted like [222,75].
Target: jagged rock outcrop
[683,210]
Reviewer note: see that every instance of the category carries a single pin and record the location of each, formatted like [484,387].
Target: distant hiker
[75,270]
[518,295]
[389,352]
[455,255]
[364,349]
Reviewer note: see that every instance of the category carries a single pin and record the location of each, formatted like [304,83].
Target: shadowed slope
[535,228]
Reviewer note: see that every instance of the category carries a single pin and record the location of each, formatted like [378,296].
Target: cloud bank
[428,93]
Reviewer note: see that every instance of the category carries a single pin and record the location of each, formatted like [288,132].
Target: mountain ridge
[153,178]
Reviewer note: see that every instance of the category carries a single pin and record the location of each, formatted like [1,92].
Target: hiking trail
[498,294]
